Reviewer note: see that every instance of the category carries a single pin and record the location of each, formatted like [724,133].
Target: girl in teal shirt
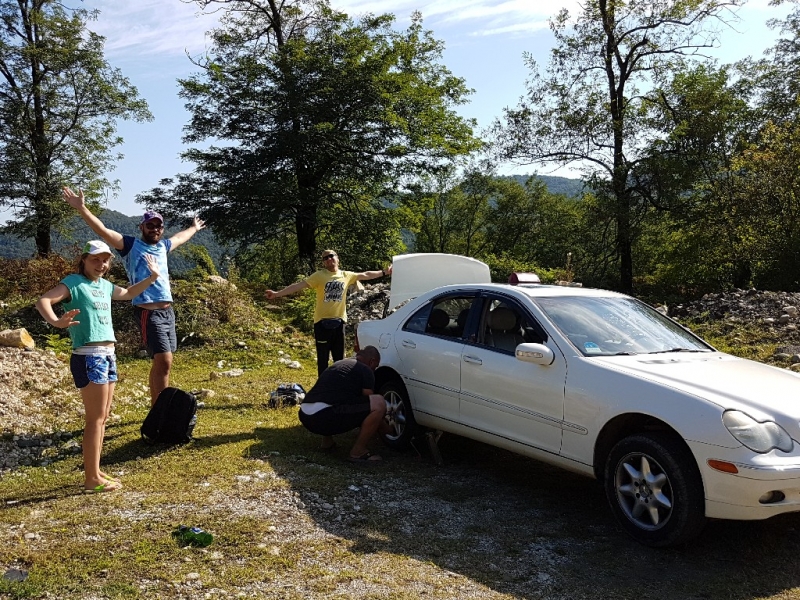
[86,296]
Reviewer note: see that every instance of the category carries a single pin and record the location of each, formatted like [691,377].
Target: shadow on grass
[521,527]
[30,498]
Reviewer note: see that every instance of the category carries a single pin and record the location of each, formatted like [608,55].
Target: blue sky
[485,39]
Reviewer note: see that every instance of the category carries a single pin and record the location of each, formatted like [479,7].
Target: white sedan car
[595,382]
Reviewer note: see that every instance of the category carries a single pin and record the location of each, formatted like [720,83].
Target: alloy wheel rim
[395,414]
[644,491]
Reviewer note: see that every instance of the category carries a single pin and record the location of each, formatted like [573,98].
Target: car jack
[433,445]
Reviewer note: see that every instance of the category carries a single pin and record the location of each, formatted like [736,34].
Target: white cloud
[151,27]
[478,17]
[170,28]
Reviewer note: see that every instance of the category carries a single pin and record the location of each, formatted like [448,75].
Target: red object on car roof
[522,278]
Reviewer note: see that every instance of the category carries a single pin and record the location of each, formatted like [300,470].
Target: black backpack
[172,418]
[287,394]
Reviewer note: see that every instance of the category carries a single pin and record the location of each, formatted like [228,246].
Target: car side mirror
[537,354]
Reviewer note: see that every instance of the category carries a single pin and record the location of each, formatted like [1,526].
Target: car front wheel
[655,489]
[398,415]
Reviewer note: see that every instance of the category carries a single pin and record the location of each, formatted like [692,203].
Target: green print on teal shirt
[93,299]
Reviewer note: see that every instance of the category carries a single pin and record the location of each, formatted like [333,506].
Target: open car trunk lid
[415,274]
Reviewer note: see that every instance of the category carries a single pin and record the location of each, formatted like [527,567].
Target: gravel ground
[486,525]
[35,408]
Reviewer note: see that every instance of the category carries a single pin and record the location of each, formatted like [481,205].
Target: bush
[33,277]
[205,311]
[501,268]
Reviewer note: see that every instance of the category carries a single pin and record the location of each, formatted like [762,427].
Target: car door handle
[473,360]
[409,344]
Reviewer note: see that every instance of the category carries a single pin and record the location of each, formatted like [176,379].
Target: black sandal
[366,459]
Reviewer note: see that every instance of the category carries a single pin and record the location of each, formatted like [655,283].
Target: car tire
[655,490]
[399,416]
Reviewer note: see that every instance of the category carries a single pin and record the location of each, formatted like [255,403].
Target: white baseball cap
[96,247]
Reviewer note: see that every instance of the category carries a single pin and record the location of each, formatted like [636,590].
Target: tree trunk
[625,247]
[306,227]
[42,209]
[42,237]
[16,338]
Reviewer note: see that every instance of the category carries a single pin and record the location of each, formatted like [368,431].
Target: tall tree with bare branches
[587,108]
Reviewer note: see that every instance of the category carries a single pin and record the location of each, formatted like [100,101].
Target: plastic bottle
[192,536]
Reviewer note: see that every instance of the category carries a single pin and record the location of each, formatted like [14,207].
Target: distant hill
[12,247]
[572,188]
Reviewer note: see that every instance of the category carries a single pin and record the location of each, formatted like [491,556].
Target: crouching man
[343,399]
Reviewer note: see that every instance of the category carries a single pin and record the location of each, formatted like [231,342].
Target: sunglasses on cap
[328,256]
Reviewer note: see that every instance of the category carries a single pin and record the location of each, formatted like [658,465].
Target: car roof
[536,291]
[417,275]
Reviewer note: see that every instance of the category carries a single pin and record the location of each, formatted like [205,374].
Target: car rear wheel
[398,415]
[655,490]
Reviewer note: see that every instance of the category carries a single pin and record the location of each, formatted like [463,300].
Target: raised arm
[130,293]
[184,236]
[45,307]
[76,201]
[366,275]
[288,290]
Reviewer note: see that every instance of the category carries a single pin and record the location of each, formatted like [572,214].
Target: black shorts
[157,328]
[336,419]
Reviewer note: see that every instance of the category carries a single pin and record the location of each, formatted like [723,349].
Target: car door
[507,397]
[430,345]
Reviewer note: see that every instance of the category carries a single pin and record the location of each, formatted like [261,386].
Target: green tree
[502,222]
[452,210]
[316,111]
[59,101]
[767,184]
[688,172]
[587,108]
[778,77]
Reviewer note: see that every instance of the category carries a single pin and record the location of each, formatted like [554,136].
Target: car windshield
[617,326]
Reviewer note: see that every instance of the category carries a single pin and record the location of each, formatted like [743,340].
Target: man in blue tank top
[153,307]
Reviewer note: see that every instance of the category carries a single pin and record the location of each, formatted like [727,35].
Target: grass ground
[291,522]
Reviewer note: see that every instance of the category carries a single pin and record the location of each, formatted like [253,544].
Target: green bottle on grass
[192,536]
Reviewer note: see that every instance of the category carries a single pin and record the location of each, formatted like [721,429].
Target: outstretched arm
[288,290]
[45,307]
[184,236]
[76,201]
[366,275]
[130,293]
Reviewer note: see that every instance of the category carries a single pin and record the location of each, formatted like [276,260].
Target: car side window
[505,325]
[444,317]
[418,320]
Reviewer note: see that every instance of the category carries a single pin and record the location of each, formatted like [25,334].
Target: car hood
[415,274]
[728,381]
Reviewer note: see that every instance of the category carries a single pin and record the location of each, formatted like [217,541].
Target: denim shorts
[93,368]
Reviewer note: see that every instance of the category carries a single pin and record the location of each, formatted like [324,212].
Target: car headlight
[759,437]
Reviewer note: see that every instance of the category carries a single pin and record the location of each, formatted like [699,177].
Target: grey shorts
[157,328]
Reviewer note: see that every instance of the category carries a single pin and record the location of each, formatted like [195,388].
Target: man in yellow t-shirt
[330,310]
